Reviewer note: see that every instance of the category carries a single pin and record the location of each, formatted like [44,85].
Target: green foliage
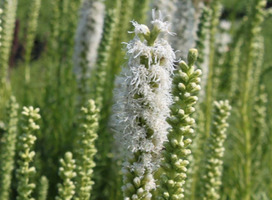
[33,15]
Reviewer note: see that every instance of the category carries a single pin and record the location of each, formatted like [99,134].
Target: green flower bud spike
[7,149]
[215,151]
[86,151]
[66,190]
[26,155]
[186,84]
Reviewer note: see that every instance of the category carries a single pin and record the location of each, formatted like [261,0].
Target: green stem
[215,7]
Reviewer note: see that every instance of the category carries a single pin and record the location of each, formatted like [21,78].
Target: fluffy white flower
[139,28]
[142,100]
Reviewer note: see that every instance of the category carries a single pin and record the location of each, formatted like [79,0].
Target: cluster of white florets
[167,8]
[143,97]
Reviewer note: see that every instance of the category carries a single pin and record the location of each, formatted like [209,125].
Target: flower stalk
[215,151]
[186,84]
[88,36]
[43,188]
[66,190]
[142,105]
[7,149]
[26,141]
[86,151]
[8,23]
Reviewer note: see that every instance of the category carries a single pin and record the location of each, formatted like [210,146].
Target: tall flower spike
[33,15]
[8,22]
[259,139]
[142,105]
[215,151]
[88,36]
[86,151]
[186,84]
[202,45]
[26,154]
[7,149]
[102,69]
[66,190]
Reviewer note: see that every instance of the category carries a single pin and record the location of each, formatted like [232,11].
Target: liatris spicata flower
[43,188]
[7,149]
[174,165]
[215,151]
[26,141]
[86,151]
[88,36]
[66,190]
[142,107]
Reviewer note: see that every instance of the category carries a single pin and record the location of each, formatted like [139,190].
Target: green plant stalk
[255,21]
[203,33]
[43,188]
[102,94]
[258,63]
[261,131]
[174,165]
[235,69]
[7,149]
[31,32]
[203,38]
[215,15]
[66,190]
[26,141]
[215,152]
[8,22]
[102,69]
[195,158]
[86,151]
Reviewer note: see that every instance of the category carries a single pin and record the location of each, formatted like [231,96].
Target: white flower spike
[142,100]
